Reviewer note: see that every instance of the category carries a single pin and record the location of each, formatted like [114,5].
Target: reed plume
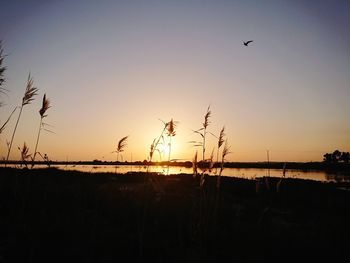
[221,140]
[152,149]
[2,69]
[24,153]
[30,92]
[170,128]
[221,137]
[205,125]
[203,132]
[167,127]
[28,97]
[121,146]
[206,118]
[45,106]
[225,152]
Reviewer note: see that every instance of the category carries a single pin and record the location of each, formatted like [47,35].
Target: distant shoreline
[321,166]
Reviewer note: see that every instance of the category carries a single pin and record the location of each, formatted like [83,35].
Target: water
[247,173]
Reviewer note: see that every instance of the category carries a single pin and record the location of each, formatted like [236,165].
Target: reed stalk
[2,70]
[28,97]
[2,89]
[225,152]
[122,143]
[203,132]
[156,142]
[3,126]
[205,125]
[195,164]
[220,143]
[170,127]
[203,209]
[121,146]
[24,154]
[45,106]
[278,185]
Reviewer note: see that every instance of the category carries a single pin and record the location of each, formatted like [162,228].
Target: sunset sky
[114,68]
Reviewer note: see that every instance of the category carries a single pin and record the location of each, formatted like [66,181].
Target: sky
[117,68]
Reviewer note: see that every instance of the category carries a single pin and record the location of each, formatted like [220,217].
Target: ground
[53,215]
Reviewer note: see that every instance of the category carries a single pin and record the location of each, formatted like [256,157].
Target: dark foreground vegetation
[49,215]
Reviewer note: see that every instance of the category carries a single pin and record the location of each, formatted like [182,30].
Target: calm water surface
[247,173]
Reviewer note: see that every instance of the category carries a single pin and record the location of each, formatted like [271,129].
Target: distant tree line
[336,157]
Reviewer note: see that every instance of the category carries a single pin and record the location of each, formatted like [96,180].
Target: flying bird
[246,43]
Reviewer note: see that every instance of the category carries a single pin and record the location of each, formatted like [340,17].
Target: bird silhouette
[246,43]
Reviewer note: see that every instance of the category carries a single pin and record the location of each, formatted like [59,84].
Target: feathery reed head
[45,106]
[2,68]
[221,137]
[153,145]
[24,151]
[30,92]
[206,118]
[226,150]
[122,144]
[170,127]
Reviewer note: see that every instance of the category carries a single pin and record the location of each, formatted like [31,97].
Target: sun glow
[163,149]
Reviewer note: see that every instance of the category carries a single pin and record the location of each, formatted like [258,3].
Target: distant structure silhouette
[246,43]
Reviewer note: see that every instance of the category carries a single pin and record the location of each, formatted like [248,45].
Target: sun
[164,150]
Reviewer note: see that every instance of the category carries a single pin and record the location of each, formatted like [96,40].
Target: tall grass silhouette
[203,212]
[3,126]
[28,97]
[195,164]
[2,70]
[204,129]
[155,143]
[221,140]
[225,152]
[278,185]
[2,89]
[24,154]
[122,143]
[45,106]
[170,128]
[203,133]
